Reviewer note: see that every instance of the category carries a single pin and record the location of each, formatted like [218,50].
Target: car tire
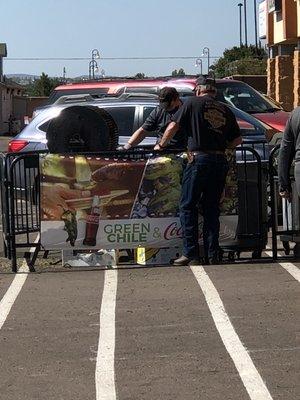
[82,128]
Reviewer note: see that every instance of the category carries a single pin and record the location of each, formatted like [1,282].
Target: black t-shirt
[209,124]
[158,121]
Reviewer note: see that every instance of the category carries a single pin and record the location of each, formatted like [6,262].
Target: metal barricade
[285,214]
[252,228]
[20,204]
[20,197]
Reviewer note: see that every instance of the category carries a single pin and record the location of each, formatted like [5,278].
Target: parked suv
[129,111]
[236,93]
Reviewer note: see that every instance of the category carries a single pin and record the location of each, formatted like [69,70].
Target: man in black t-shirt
[159,119]
[211,127]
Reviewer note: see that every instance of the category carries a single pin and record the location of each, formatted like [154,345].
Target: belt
[195,153]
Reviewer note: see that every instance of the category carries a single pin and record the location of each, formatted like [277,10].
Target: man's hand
[158,147]
[121,148]
[285,194]
[124,147]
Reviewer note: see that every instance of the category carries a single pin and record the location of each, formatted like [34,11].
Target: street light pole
[240,5]
[255,24]
[198,63]
[245,16]
[93,66]
[95,54]
[205,52]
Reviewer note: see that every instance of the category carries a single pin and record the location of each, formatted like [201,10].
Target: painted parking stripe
[291,268]
[105,369]
[249,375]
[14,289]
[12,293]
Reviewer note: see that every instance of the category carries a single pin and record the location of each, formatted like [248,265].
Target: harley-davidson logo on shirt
[215,118]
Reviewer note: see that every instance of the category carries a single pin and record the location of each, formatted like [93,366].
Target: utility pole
[255,24]
[245,17]
[240,5]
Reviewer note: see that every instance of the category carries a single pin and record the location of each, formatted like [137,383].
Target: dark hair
[167,95]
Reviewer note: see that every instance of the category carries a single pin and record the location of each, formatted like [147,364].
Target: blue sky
[117,28]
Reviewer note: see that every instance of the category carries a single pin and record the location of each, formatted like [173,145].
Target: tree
[42,86]
[140,75]
[241,60]
[180,72]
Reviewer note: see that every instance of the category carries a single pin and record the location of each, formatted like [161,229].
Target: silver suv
[129,111]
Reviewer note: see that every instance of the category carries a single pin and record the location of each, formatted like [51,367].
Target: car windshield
[249,125]
[244,97]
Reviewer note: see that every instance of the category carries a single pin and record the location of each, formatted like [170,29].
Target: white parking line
[105,369]
[249,375]
[14,289]
[12,293]
[291,268]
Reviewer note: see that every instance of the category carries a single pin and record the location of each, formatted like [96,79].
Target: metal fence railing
[285,214]
[20,201]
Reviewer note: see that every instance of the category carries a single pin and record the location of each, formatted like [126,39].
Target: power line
[105,58]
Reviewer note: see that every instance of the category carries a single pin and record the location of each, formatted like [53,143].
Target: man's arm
[149,125]
[285,157]
[172,128]
[136,138]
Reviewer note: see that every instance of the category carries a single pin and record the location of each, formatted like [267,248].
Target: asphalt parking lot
[218,332]
[226,332]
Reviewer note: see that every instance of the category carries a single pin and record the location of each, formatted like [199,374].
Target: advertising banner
[262,19]
[105,203]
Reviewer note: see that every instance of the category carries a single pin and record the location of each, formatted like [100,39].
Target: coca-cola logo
[92,219]
[173,231]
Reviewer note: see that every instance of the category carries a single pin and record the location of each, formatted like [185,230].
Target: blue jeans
[203,181]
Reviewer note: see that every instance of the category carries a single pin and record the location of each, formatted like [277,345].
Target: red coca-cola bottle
[92,223]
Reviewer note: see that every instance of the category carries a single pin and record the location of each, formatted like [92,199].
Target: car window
[44,126]
[146,112]
[249,125]
[124,118]
[244,97]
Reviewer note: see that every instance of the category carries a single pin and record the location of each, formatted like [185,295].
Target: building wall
[298,17]
[7,109]
[278,31]
[283,39]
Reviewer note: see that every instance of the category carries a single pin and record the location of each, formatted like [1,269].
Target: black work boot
[183,260]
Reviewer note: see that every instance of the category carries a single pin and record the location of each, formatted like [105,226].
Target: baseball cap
[166,95]
[205,80]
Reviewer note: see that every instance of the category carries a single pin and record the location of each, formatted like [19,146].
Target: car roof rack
[74,98]
[126,96]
